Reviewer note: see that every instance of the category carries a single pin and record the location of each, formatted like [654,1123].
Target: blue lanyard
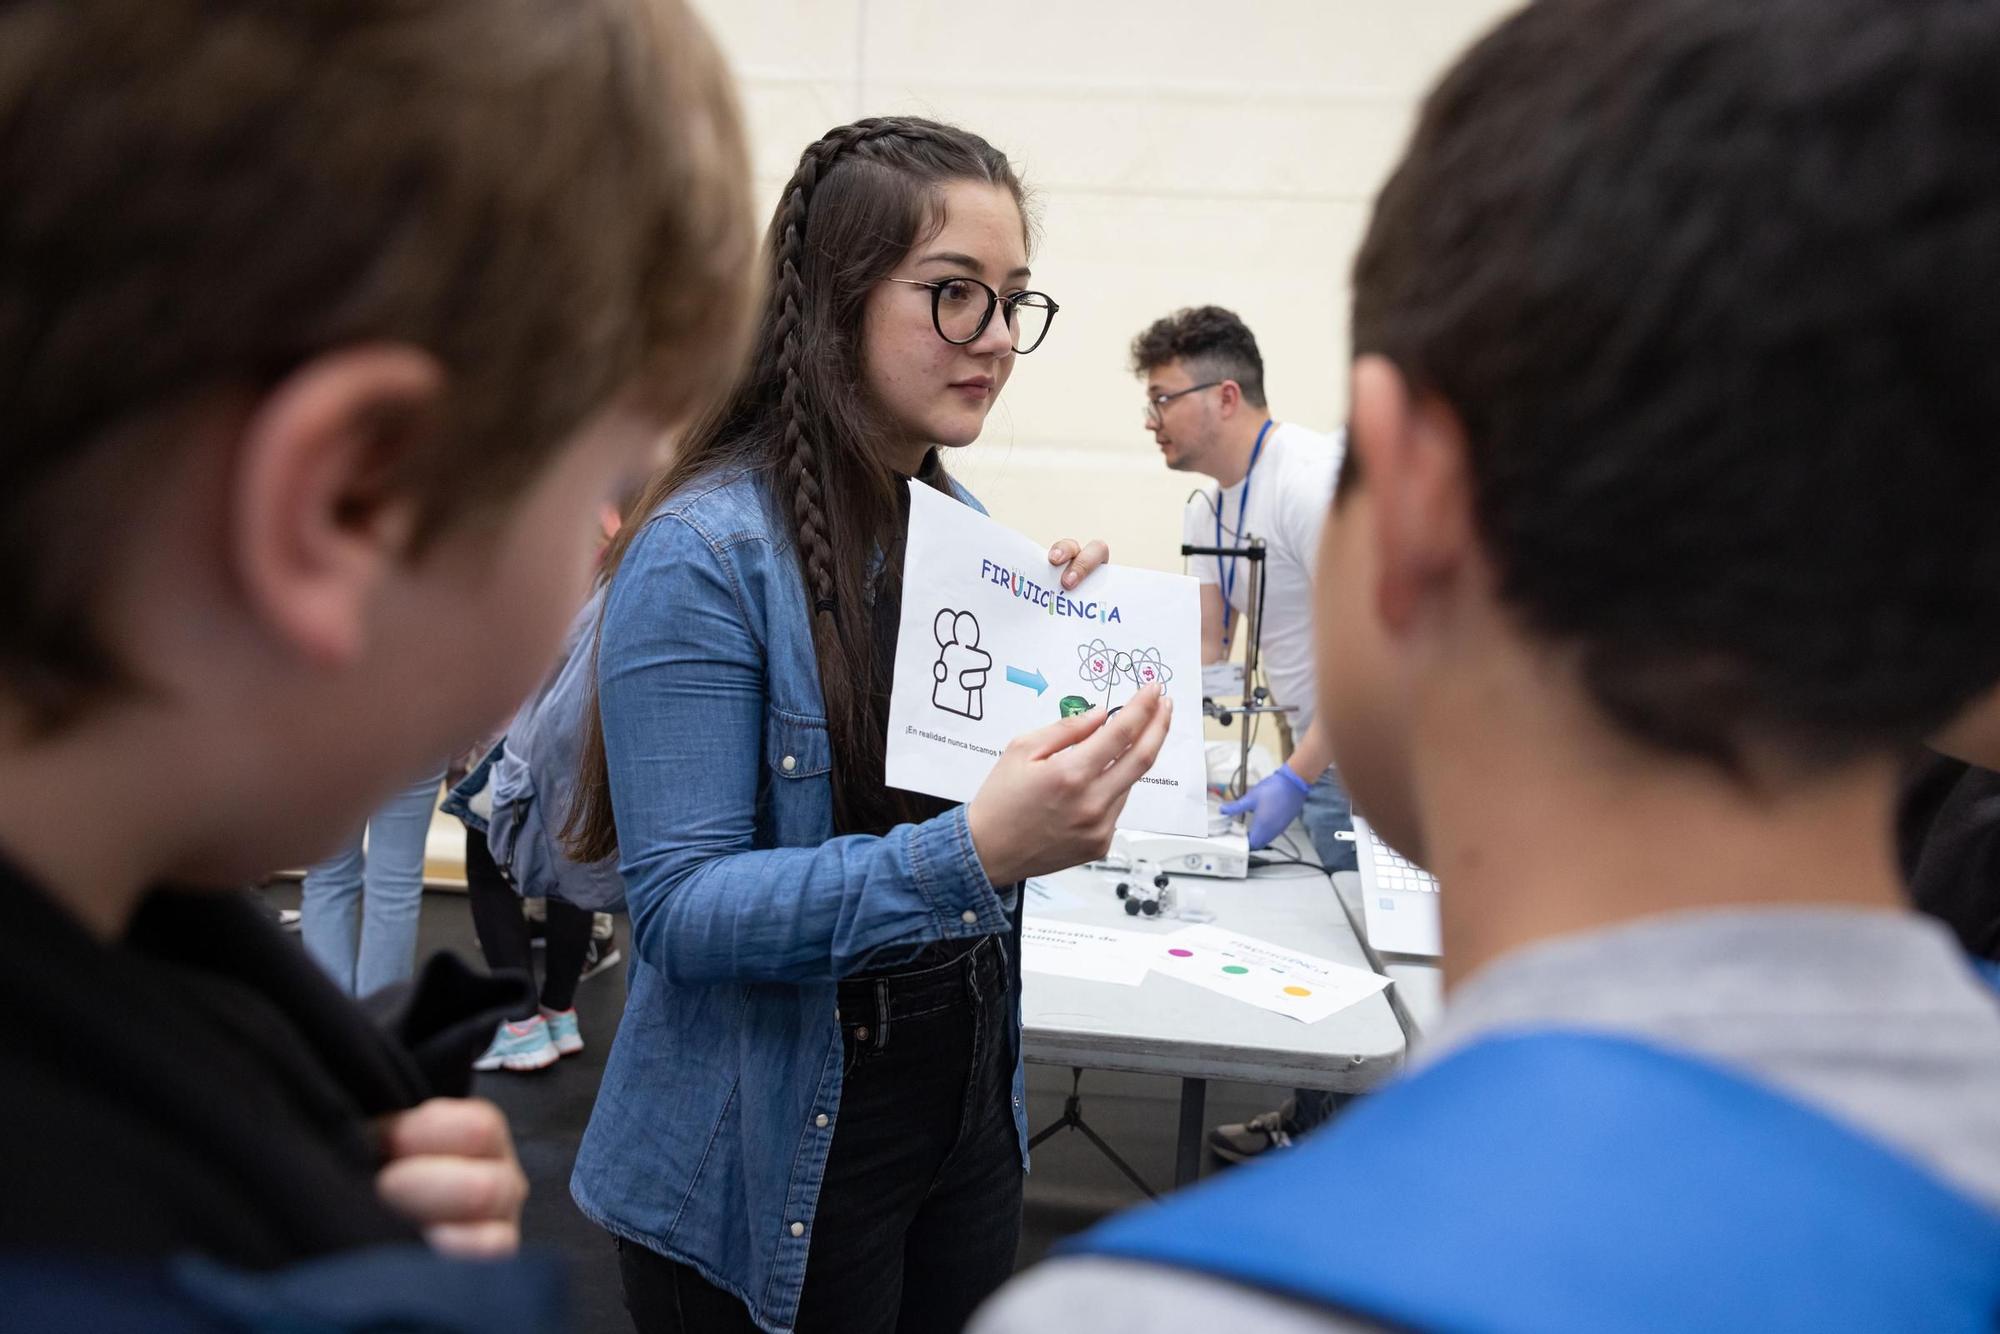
[1227,573]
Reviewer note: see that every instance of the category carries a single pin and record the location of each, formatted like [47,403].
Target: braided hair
[802,457]
[862,197]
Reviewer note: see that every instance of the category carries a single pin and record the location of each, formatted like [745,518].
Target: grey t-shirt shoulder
[1874,1018]
[1130,1297]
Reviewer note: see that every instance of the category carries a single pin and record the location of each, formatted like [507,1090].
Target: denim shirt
[722,1091]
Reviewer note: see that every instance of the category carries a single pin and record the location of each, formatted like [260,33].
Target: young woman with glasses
[812,1116]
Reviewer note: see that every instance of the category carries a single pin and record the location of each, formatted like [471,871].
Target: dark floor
[1070,1186]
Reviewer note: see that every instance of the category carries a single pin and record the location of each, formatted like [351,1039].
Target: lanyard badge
[1226,572]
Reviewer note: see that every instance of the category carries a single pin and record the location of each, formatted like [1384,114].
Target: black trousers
[920,1210]
[503,930]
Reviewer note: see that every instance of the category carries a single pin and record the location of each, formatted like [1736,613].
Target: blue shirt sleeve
[683,698]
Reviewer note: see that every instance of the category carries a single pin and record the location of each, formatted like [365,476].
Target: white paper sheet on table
[1046,896]
[1272,977]
[990,645]
[1091,953]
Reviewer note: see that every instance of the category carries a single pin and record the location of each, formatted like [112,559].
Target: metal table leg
[1187,1152]
[1072,1119]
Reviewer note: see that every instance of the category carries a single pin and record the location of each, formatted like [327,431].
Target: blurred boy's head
[1674,378]
[325,328]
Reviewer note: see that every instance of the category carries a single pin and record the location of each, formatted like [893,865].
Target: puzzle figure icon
[959,675]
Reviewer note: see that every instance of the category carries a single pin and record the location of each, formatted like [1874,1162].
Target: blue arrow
[1035,681]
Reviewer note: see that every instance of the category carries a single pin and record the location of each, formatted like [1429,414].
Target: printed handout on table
[1269,976]
[1092,953]
[991,646]
[1044,895]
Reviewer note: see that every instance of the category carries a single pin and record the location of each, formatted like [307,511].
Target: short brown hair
[550,196]
[1214,343]
[1711,286]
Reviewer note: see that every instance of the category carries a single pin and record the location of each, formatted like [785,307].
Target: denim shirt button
[820,1120]
[798,1229]
[789,763]
[968,917]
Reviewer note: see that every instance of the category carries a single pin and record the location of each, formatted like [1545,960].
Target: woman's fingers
[1120,732]
[1081,558]
[1043,742]
[1133,765]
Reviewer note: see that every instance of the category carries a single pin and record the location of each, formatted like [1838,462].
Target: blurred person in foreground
[1665,530]
[1948,827]
[331,324]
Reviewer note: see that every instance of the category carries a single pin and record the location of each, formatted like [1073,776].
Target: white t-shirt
[1291,489]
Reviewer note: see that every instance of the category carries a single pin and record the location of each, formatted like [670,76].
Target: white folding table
[1169,1027]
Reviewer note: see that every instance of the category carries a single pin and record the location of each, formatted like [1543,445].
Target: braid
[801,458]
[820,450]
[801,454]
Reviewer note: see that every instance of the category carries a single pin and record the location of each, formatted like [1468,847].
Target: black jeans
[920,1210]
[503,931]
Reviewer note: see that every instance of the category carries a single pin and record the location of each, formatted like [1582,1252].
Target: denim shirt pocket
[799,756]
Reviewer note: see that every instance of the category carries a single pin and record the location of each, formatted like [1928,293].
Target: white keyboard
[1400,901]
[1395,871]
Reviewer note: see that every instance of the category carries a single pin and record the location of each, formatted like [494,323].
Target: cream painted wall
[1182,154]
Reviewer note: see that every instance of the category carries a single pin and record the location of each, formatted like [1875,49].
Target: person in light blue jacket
[812,1115]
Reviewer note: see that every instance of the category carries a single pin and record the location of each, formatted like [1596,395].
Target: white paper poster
[1092,953]
[991,646]
[1260,973]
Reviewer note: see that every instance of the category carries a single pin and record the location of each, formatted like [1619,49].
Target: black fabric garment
[405,1289]
[503,931]
[667,1297]
[885,625]
[200,1087]
[885,616]
[1949,835]
[920,1210]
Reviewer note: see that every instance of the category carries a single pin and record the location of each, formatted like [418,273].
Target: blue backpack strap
[1565,1181]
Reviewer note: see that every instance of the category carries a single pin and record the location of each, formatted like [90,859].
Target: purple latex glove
[1273,804]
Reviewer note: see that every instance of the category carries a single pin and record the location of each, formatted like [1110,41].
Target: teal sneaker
[563,1032]
[522,1046]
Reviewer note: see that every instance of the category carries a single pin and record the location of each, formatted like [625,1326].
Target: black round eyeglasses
[960,315]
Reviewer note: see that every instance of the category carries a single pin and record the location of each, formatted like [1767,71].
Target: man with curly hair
[1273,481]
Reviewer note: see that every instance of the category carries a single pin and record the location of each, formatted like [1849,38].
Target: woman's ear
[318,518]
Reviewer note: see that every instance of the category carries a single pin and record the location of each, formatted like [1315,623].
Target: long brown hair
[863,196]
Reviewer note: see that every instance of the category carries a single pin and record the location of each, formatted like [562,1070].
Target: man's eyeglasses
[961,308]
[1156,404]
